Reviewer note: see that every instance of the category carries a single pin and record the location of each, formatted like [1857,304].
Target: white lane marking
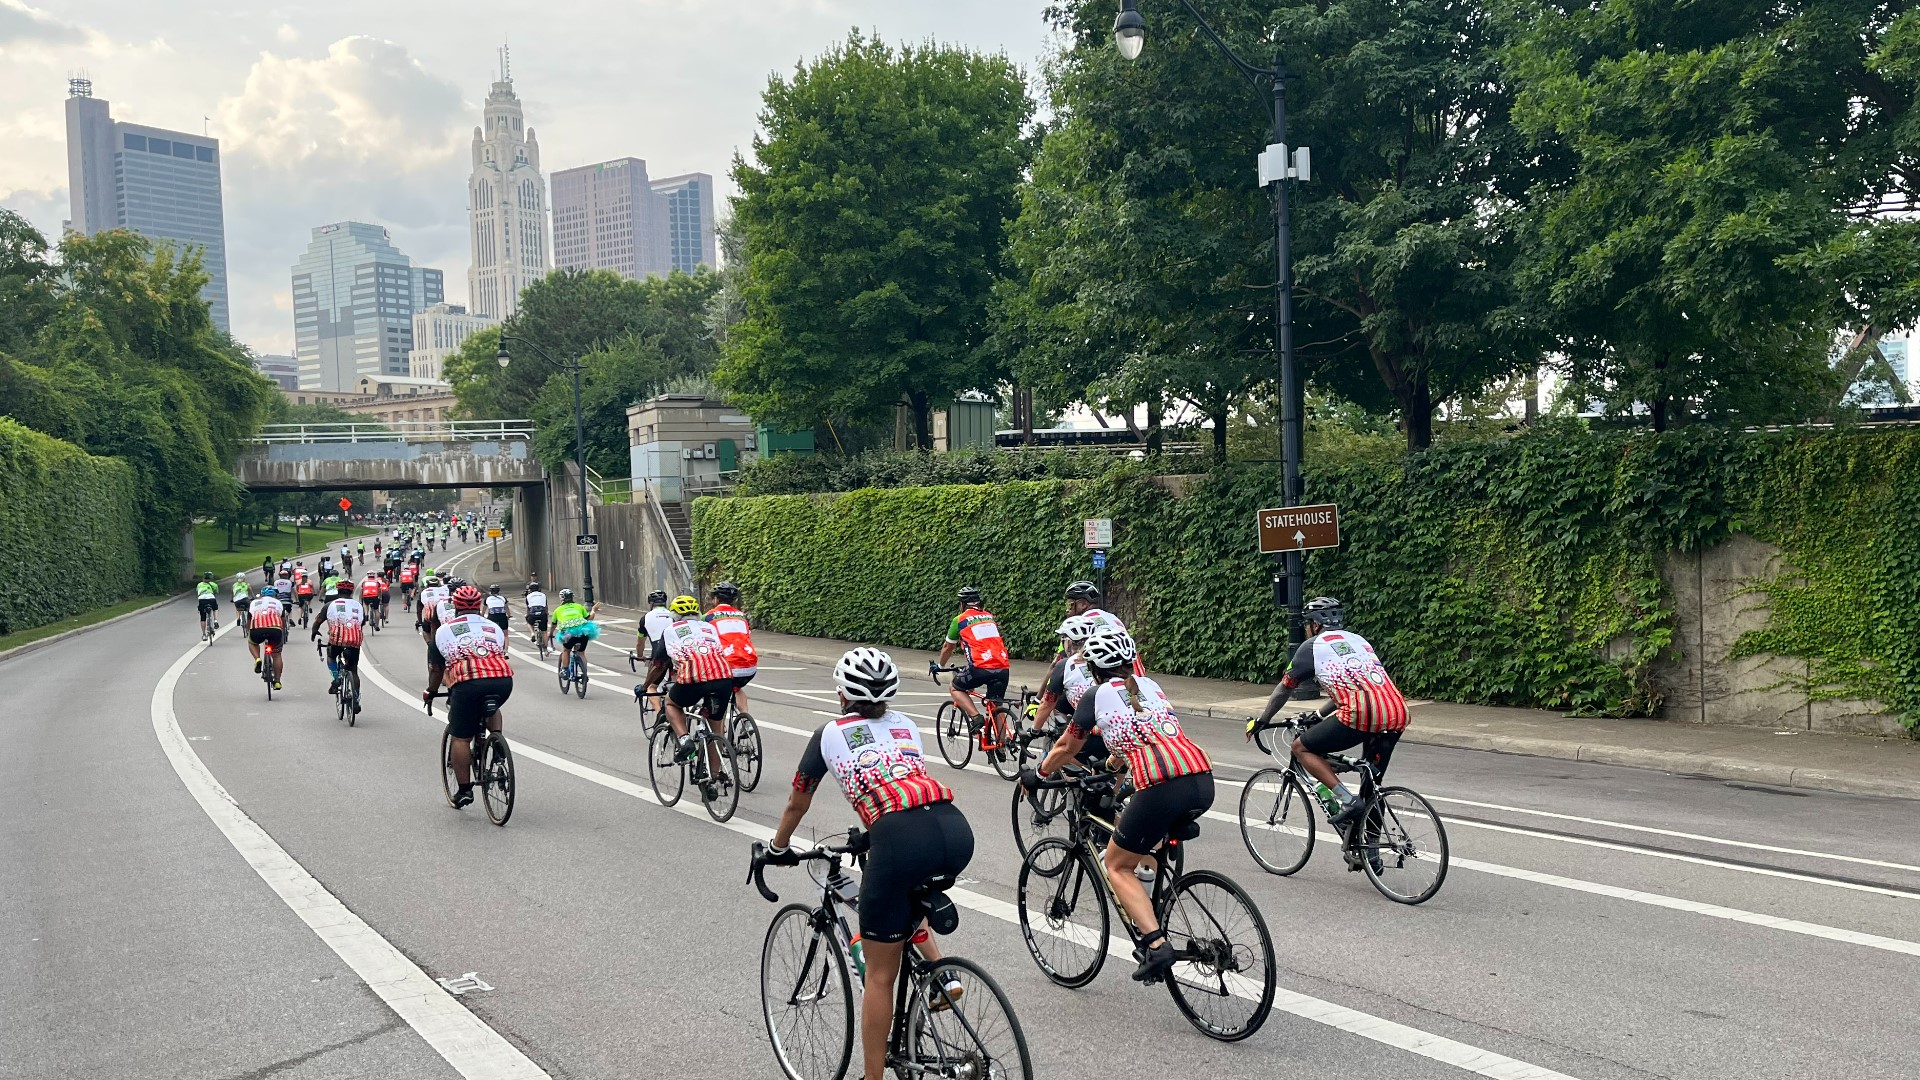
[475,1050]
[1377,1029]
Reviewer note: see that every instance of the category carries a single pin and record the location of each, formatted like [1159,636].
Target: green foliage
[872,220]
[795,474]
[69,529]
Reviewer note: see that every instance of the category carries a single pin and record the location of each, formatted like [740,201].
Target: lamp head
[501,355]
[1129,31]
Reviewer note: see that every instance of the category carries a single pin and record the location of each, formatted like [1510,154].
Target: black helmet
[207,576]
[657,597]
[1083,590]
[969,595]
[494,590]
[726,591]
[1326,611]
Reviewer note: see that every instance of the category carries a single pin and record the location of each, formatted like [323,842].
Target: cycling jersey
[696,652]
[731,624]
[240,590]
[264,614]
[1347,668]
[430,599]
[304,588]
[496,605]
[1146,732]
[877,762]
[206,590]
[1068,682]
[406,574]
[346,621]
[370,589]
[536,600]
[473,648]
[568,616]
[976,629]
[284,587]
[656,622]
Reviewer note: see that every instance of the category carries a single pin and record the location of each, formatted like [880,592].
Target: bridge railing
[399,431]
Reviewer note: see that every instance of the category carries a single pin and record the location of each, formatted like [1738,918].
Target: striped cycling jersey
[1146,733]
[346,621]
[1347,668]
[878,763]
[264,614]
[697,653]
[474,648]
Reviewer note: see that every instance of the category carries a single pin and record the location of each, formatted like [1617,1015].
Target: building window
[183,150]
[159,146]
[135,142]
[203,153]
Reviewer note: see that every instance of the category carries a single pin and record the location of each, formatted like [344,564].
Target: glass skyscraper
[164,185]
[354,295]
[691,240]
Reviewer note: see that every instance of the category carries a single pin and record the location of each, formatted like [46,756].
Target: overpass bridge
[365,457]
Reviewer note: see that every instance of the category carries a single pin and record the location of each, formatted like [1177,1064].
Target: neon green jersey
[569,615]
[240,589]
[206,590]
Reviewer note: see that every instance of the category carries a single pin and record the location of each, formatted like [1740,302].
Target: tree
[872,220]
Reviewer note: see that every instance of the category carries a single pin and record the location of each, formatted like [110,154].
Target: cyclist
[1068,681]
[207,598]
[916,833]
[370,597]
[476,669]
[407,574]
[303,592]
[432,592]
[346,560]
[1368,708]
[267,623]
[737,638]
[988,665]
[497,608]
[701,671]
[1172,778]
[376,547]
[536,602]
[242,596]
[573,626]
[1083,599]
[283,588]
[360,551]
[266,569]
[386,598]
[326,567]
[346,620]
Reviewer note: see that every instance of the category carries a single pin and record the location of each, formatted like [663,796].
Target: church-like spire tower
[506,202]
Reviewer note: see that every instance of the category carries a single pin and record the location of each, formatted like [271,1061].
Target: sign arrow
[1299,539]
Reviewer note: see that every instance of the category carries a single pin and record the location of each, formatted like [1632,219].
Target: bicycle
[811,957]
[1398,839]
[958,732]
[268,650]
[1205,915]
[743,733]
[539,635]
[672,759]
[491,763]
[347,701]
[209,627]
[573,673]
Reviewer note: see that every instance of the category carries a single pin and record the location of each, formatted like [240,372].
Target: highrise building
[692,241]
[438,332]
[607,217]
[354,295]
[164,185]
[283,370]
[506,204]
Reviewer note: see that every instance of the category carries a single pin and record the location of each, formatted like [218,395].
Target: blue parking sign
[1099,560]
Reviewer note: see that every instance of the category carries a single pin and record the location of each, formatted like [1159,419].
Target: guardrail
[609,491]
[399,431]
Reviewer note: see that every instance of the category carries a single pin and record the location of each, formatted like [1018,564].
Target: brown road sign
[1299,528]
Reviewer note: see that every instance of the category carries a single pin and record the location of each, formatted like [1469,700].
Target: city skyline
[354,297]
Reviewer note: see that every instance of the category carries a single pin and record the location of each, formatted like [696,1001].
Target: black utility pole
[571,367]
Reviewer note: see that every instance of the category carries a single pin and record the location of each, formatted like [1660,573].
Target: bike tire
[726,785]
[1006,760]
[750,754]
[950,729]
[1232,968]
[664,770]
[498,790]
[566,679]
[1038,815]
[805,987]
[1275,813]
[977,1034]
[580,677]
[1393,812]
[447,779]
[1057,883]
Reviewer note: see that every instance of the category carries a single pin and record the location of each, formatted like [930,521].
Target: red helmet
[466,598]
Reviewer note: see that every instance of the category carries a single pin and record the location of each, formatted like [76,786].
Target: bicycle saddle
[931,900]
[1184,830]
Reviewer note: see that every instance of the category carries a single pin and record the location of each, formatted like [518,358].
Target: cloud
[287,34]
[20,24]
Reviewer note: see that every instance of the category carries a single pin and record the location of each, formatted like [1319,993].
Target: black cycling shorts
[209,606]
[740,681]
[1330,736]
[574,641]
[714,692]
[910,848]
[1152,813]
[537,618]
[262,635]
[348,655]
[994,681]
[499,619]
[434,659]
[466,701]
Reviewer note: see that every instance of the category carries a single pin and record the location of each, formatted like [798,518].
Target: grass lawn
[210,547]
[22,637]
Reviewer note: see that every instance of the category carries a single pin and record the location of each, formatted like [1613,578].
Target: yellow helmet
[684,605]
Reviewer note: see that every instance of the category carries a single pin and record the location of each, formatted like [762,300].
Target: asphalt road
[197,882]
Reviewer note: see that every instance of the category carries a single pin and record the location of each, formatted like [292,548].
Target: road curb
[35,646]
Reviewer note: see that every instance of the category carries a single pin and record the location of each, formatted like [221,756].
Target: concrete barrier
[361,466]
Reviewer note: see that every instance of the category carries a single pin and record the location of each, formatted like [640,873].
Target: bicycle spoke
[1224,977]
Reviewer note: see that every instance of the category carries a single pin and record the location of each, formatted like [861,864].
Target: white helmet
[866,674]
[1075,628]
[1109,648]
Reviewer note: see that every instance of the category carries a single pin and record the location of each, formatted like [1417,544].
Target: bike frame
[994,710]
[1369,780]
[1080,837]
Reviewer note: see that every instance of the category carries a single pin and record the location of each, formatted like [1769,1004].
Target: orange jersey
[976,629]
[736,637]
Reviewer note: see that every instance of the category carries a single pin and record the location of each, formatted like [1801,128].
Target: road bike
[672,760]
[573,671]
[540,633]
[958,733]
[951,1020]
[743,732]
[1397,839]
[491,763]
[268,650]
[209,627]
[1224,971]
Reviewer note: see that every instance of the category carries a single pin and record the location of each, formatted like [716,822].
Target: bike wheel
[974,1032]
[950,728]
[1038,815]
[579,676]
[669,777]
[1063,913]
[1223,981]
[1403,846]
[566,678]
[749,755]
[497,788]
[447,779]
[1006,760]
[340,711]
[806,997]
[725,785]
[1276,821]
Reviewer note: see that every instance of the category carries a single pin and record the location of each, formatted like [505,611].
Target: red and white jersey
[346,621]
[474,648]
[430,598]
[878,763]
[264,613]
[1347,668]
[1145,732]
[1106,620]
[697,653]
[735,637]
[370,588]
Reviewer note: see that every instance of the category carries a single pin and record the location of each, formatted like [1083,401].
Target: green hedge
[801,474]
[1525,571]
[69,529]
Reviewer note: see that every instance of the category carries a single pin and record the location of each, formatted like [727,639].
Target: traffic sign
[346,503]
[586,542]
[1099,532]
[1299,528]
[494,533]
[1099,559]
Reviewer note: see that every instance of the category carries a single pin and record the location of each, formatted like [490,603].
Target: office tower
[164,185]
[506,204]
[607,217]
[691,239]
[354,295]
[283,370]
[438,332]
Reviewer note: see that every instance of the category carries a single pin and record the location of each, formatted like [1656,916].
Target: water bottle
[1328,800]
[859,958]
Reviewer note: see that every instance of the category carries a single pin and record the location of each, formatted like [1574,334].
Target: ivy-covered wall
[1525,571]
[69,537]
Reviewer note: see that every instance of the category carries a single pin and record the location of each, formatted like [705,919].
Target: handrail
[665,528]
[398,431]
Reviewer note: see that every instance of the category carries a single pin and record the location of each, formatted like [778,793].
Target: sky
[354,110]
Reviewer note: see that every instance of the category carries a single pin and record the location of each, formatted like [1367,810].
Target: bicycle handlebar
[858,841]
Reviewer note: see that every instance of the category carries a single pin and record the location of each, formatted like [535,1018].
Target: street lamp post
[1277,165]
[572,368]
